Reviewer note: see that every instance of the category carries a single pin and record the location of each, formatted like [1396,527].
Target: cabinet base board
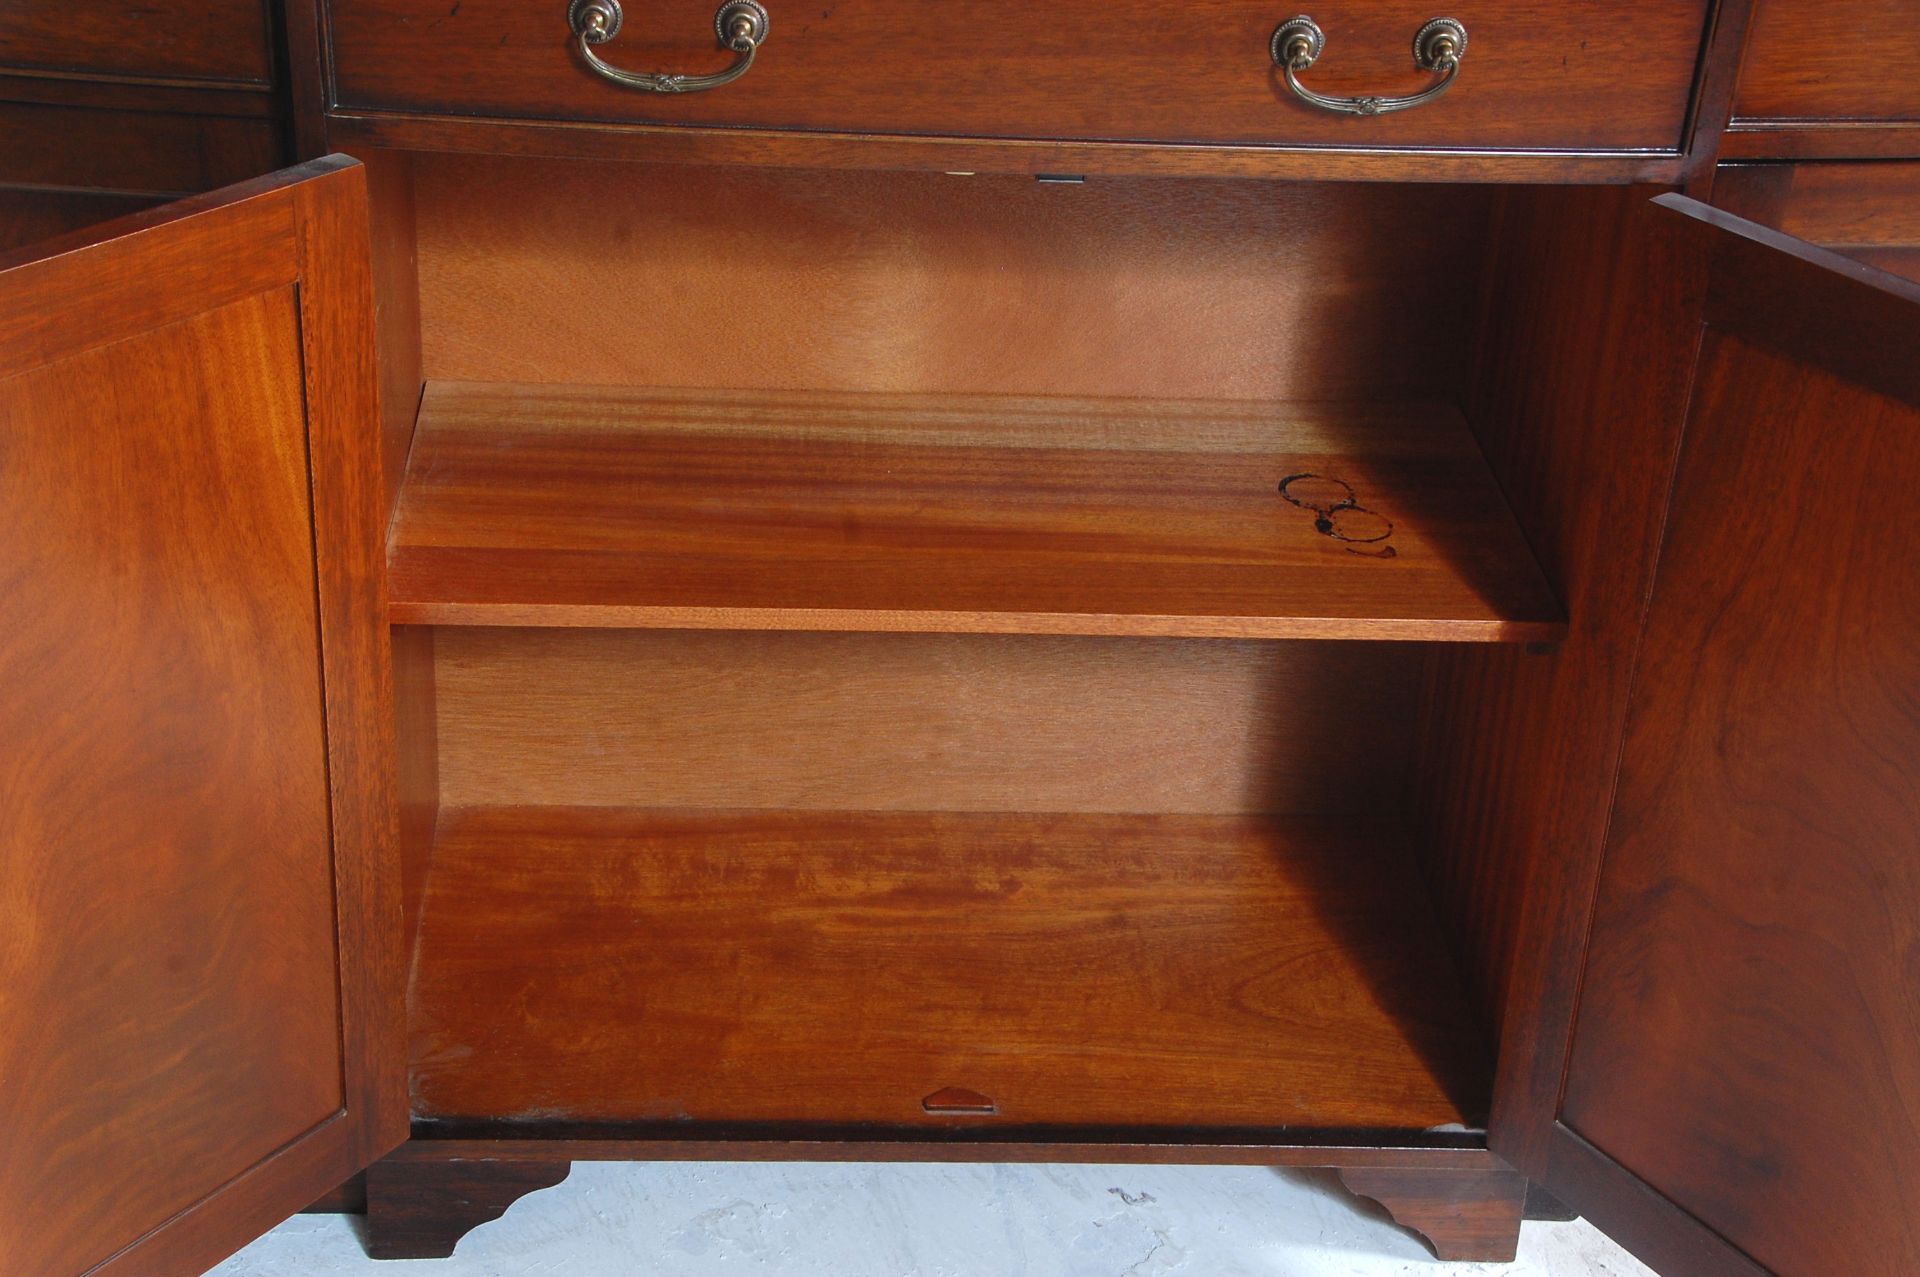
[421,1209]
[428,1194]
[1472,1215]
[1446,1152]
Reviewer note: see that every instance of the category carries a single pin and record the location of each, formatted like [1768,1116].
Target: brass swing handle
[740,24]
[1440,45]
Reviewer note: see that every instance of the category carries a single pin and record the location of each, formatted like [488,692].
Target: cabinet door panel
[198,1009]
[1748,1040]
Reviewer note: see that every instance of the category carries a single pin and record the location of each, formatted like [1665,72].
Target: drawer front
[1835,60]
[218,41]
[1563,74]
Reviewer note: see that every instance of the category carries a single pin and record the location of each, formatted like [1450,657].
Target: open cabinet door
[1743,1092]
[200,1020]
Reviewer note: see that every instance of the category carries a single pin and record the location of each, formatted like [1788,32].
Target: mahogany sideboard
[1173,582]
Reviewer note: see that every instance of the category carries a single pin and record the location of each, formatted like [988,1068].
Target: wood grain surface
[1830,60]
[339,390]
[605,506]
[1592,306]
[131,152]
[28,216]
[1749,1033]
[196,41]
[396,302]
[420,1210]
[1820,140]
[1869,211]
[167,97]
[170,1012]
[1462,1217]
[698,968]
[417,764]
[358,131]
[680,275]
[1539,76]
[1459,1152]
[1630,1211]
[1828,79]
[934,722]
[200,998]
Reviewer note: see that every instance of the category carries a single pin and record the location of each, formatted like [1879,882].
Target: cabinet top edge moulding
[1514,91]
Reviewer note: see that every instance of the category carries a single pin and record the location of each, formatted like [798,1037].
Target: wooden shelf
[1084,972]
[554,505]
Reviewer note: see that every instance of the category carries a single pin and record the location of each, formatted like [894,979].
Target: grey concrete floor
[780,1220]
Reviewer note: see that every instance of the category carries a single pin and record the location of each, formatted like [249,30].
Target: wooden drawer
[1537,76]
[220,41]
[1828,79]
[1831,60]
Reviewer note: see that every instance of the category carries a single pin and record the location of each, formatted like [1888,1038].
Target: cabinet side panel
[396,309]
[417,765]
[1588,333]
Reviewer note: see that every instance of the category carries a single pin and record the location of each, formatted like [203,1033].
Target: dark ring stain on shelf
[1339,514]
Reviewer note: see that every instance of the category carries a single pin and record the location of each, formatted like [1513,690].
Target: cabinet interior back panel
[921,722]
[662,275]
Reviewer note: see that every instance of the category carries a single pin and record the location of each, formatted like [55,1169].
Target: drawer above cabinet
[192,42]
[1570,76]
[1828,79]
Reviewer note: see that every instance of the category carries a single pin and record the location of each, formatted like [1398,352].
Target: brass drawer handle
[740,24]
[1440,45]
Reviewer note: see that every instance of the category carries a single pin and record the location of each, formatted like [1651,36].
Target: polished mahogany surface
[1539,76]
[701,967]
[951,722]
[547,505]
[1581,391]
[1830,59]
[754,278]
[1748,1041]
[130,152]
[28,216]
[1867,210]
[1828,78]
[199,978]
[171,984]
[223,42]
[1463,1217]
